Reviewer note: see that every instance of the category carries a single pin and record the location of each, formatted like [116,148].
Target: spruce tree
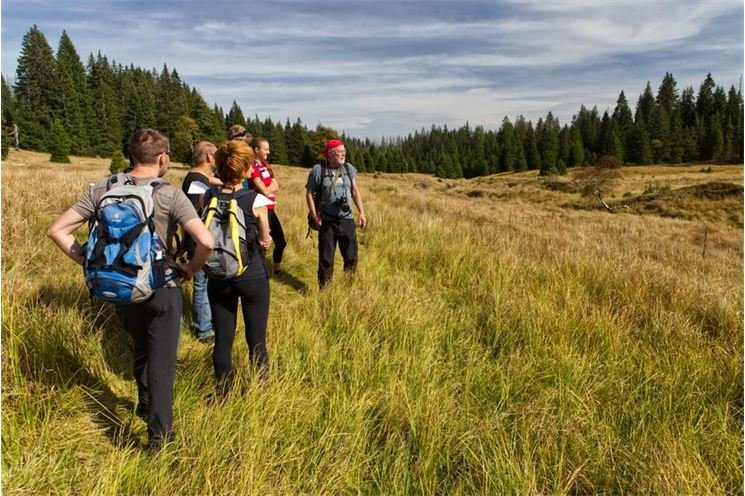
[8,105]
[609,140]
[548,143]
[665,128]
[532,156]
[645,107]
[661,140]
[35,90]
[104,128]
[705,98]
[588,123]
[457,168]
[576,149]
[676,137]
[705,113]
[478,157]
[639,149]
[370,162]
[735,121]
[235,116]
[72,103]
[277,143]
[622,116]
[210,128]
[564,144]
[669,120]
[714,141]
[4,142]
[171,101]
[689,144]
[492,152]
[688,108]
[255,127]
[295,140]
[137,95]
[521,133]
[59,143]
[359,161]
[720,116]
[218,116]
[507,142]
[308,158]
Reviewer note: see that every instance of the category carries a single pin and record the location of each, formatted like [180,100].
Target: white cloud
[372,72]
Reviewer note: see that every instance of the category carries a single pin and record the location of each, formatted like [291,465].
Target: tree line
[62,106]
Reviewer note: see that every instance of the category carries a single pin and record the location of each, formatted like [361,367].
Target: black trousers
[254,296]
[278,236]
[332,232]
[155,326]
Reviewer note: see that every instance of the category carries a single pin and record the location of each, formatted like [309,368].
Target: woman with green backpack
[249,282]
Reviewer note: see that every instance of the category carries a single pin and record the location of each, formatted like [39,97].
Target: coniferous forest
[63,106]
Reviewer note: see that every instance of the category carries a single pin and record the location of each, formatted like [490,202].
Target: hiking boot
[142,411]
[159,443]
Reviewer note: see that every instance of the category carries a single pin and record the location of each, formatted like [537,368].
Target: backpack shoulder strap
[242,192]
[120,178]
[322,173]
[158,183]
[116,180]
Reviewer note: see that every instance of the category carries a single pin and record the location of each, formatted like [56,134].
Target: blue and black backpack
[125,259]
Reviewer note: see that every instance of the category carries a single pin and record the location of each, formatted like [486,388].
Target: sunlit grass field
[501,337]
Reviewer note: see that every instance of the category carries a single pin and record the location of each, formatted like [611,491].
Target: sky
[389,68]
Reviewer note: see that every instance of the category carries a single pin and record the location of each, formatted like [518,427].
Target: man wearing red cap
[330,190]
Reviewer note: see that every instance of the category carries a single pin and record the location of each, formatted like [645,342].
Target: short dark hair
[201,150]
[146,144]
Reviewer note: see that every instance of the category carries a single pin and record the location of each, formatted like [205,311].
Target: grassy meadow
[504,335]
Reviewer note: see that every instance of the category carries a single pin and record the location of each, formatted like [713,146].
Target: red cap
[332,143]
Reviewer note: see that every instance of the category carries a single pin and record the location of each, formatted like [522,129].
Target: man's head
[238,132]
[149,147]
[233,161]
[335,152]
[203,154]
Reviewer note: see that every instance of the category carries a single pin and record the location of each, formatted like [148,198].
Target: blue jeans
[201,316]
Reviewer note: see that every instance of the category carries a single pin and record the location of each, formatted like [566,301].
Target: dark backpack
[125,259]
[236,240]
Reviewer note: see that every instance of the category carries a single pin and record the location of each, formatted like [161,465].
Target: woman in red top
[262,180]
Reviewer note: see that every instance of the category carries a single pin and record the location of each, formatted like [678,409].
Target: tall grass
[505,344]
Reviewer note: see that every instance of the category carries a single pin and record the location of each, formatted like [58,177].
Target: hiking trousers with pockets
[155,326]
[343,232]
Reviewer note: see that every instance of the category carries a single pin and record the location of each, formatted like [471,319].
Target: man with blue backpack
[127,261]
